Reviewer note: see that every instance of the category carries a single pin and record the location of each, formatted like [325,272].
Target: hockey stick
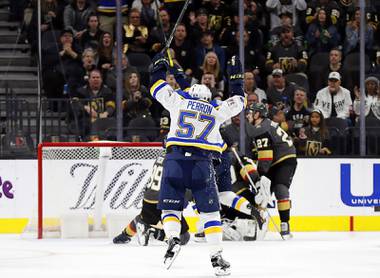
[169,41]
[254,187]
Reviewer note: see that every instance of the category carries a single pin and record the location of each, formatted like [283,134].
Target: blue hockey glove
[235,75]
[160,62]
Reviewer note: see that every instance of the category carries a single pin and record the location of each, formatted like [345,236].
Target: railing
[66,121]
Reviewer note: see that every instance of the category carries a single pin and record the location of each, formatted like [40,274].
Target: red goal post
[69,174]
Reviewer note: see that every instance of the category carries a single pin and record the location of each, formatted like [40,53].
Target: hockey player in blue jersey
[193,142]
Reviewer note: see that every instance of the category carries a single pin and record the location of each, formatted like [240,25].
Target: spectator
[277,115]
[330,6]
[98,103]
[107,14]
[281,94]
[207,44]
[298,115]
[287,55]
[164,126]
[111,72]
[198,25]
[351,43]
[313,140]
[137,105]
[212,65]
[250,87]
[105,49]
[61,65]
[278,7]
[135,35]
[376,66]
[218,16]
[171,81]
[88,65]
[158,34]
[334,100]
[252,98]
[92,35]
[183,49]
[148,11]
[286,20]
[208,79]
[132,84]
[372,99]
[321,35]
[75,17]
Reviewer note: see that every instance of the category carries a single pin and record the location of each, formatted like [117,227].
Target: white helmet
[200,91]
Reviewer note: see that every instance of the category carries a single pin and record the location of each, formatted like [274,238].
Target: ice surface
[307,255]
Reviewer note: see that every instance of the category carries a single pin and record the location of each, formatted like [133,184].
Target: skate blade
[287,237]
[169,261]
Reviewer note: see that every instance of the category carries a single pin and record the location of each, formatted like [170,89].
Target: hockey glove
[179,76]
[160,63]
[235,76]
[263,196]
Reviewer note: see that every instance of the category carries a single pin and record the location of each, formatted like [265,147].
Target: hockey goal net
[86,184]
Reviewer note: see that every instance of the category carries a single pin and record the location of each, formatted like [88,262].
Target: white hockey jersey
[194,122]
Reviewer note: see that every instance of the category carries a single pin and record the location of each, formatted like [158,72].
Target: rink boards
[327,194]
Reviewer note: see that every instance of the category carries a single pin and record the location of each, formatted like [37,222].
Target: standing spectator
[287,55]
[107,14]
[278,7]
[158,34]
[281,94]
[207,44]
[313,140]
[286,20]
[250,87]
[183,49]
[198,25]
[219,16]
[331,8]
[60,65]
[321,35]
[75,17]
[148,11]
[372,99]
[334,101]
[135,35]
[352,41]
[91,37]
[105,49]
[298,115]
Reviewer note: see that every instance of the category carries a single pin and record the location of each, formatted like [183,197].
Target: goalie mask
[199,91]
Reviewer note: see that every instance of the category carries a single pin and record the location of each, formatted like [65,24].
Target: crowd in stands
[301,58]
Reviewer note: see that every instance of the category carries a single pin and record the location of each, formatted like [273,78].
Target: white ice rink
[307,255]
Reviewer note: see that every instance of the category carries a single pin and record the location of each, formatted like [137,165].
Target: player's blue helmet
[259,107]
[200,91]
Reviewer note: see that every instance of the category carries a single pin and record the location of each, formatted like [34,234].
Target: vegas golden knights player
[148,222]
[276,159]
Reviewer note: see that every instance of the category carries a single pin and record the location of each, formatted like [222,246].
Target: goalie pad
[239,229]
[263,196]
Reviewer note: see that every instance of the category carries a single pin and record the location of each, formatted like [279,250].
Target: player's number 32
[187,129]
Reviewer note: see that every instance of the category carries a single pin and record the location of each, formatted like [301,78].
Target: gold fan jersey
[195,122]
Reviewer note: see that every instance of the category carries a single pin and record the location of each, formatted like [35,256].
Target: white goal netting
[87,189]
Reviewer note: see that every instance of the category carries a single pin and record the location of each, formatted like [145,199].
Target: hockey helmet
[200,91]
[259,107]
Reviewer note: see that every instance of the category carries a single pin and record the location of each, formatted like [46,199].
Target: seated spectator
[287,55]
[96,102]
[298,115]
[75,17]
[313,140]
[207,45]
[330,6]
[321,35]
[111,73]
[211,65]
[88,64]
[250,86]
[105,49]
[352,41]
[132,84]
[183,49]
[137,105]
[61,65]
[158,34]
[208,79]
[164,126]
[135,35]
[334,101]
[148,12]
[252,98]
[92,36]
[281,93]
[372,100]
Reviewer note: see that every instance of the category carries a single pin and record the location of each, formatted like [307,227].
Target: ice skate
[221,266]
[285,231]
[142,232]
[200,237]
[172,252]
[122,238]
